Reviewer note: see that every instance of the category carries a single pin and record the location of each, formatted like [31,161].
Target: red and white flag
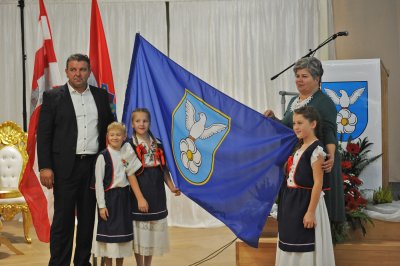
[99,58]
[46,76]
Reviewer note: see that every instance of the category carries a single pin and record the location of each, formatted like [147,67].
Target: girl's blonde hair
[116,126]
[146,111]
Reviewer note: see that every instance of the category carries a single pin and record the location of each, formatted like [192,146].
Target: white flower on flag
[346,121]
[190,155]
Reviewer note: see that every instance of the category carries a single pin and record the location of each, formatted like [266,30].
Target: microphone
[312,52]
[342,33]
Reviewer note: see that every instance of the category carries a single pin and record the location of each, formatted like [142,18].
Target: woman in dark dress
[308,72]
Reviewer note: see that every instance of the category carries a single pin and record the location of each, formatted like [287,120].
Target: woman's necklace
[298,103]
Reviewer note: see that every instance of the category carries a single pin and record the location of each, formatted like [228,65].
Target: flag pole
[21,4]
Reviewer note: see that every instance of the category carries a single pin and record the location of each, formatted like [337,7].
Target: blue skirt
[118,228]
[151,183]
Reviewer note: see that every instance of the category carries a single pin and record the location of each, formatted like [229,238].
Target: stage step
[270,228]
[264,255]
[380,246]
[380,230]
[368,253]
[365,253]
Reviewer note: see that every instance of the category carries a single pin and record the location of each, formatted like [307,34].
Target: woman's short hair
[312,64]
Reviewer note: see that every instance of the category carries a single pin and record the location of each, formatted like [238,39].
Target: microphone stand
[311,52]
[21,5]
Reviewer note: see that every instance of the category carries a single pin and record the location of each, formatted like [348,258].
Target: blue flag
[223,155]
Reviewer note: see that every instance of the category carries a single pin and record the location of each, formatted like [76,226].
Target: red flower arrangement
[353,148]
[346,165]
[352,196]
[354,160]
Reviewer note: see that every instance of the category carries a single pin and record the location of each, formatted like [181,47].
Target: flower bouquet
[355,157]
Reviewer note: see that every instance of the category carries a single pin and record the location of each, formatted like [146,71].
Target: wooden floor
[187,247]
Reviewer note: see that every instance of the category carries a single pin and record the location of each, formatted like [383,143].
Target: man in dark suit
[72,130]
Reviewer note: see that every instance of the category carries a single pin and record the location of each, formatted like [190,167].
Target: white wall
[374,28]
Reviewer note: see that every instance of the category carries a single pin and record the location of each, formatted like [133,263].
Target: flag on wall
[46,76]
[223,155]
[99,58]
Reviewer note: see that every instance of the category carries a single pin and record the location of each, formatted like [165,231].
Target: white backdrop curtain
[11,63]
[235,45]
[70,23]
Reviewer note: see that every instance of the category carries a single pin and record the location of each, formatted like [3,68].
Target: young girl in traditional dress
[113,232]
[304,231]
[149,204]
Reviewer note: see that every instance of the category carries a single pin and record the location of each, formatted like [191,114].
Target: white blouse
[125,163]
[149,156]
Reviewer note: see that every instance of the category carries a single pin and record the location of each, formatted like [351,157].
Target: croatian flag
[46,76]
[100,64]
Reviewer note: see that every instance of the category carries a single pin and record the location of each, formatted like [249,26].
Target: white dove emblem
[344,101]
[197,129]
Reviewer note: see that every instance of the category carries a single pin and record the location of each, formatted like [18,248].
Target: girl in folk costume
[113,232]
[304,230]
[149,204]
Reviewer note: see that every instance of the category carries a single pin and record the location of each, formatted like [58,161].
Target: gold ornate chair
[13,159]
